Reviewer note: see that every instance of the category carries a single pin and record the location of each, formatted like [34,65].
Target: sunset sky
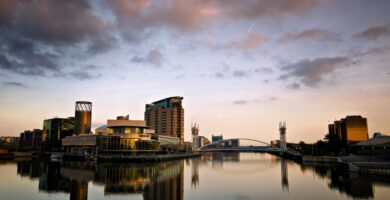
[241,66]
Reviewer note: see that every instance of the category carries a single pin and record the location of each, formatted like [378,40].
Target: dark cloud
[312,72]
[240,102]
[374,33]
[153,57]
[15,84]
[314,33]
[35,36]
[240,73]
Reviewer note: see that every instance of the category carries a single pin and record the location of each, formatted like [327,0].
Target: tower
[282,133]
[195,136]
[83,113]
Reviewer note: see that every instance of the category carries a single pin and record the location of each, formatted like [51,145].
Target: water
[237,176]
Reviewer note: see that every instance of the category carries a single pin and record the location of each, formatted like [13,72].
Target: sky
[241,66]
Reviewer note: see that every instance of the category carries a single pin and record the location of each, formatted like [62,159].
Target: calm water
[214,176]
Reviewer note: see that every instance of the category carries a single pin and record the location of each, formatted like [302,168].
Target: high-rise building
[55,129]
[166,117]
[83,113]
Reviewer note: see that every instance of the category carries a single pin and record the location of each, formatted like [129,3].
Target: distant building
[275,143]
[348,130]
[26,138]
[55,129]
[203,141]
[9,140]
[195,136]
[166,117]
[216,138]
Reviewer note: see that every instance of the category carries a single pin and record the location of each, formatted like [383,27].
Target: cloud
[83,75]
[180,76]
[294,86]
[251,9]
[314,33]
[153,57]
[251,41]
[15,84]
[37,35]
[240,73]
[264,70]
[373,33]
[312,72]
[240,102]
[218,75]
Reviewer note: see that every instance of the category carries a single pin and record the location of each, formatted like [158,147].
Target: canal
[238,176]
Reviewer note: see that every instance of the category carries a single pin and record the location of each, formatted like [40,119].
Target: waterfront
[212,176]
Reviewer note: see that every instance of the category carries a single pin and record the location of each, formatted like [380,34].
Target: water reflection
[349,183]
[166,180]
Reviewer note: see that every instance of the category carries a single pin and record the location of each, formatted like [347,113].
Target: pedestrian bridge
[244,145]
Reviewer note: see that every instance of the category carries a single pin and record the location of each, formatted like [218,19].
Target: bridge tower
[282,133]
[195,136]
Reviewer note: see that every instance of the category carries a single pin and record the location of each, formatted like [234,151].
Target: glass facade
[119,143]
[55,129]
[125,130]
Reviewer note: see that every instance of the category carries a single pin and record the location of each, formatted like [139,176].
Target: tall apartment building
[166,117]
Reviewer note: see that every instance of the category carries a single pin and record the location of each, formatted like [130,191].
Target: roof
[380,140]
[168,98]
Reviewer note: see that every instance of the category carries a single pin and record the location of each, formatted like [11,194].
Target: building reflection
[166,180]
[284,174]
[349,183]
[152,181]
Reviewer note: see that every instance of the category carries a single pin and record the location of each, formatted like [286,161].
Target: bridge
[247,145]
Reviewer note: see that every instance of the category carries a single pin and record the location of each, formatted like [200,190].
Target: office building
[55,129]
[166,117]
[83,113]
[26,138]
[348,130]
